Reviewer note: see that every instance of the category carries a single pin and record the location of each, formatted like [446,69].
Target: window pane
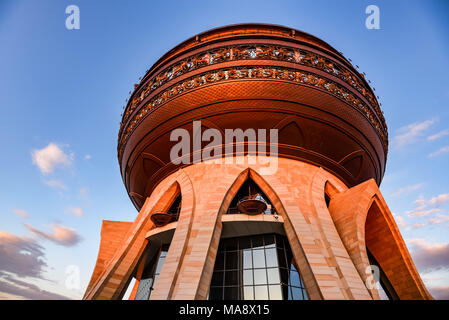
[271,256]
[160,263]
[247,259]
[275,292]
[217,278]
[231,278]
[269,241]
[231,293]
[294,279]
[261,292]
[297,293]
[273,276]
[244,243]
[260,276]
[248,293]
[257,242]
[231,260]
[259,258]
[248,277]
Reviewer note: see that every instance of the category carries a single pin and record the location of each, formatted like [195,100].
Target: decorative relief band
[253,72]
[246,52]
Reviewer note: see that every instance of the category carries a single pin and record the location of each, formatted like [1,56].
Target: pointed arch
[110,285]
[302,264]
[363,220]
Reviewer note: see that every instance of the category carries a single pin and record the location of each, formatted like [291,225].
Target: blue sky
[62,93]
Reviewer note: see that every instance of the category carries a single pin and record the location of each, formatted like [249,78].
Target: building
[212,229]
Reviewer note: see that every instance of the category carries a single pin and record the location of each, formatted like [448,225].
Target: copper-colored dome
[254,76]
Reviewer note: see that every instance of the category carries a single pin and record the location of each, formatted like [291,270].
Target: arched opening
[250,199]
[394,277]
[162,217]
[143,279]
[329,192]
[258,266]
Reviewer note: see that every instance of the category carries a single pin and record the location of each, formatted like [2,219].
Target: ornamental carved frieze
[247,52]
[253,72]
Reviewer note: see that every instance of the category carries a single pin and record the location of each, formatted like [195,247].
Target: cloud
[83,192]
[439,219]
[87,157]
[421,213]
[76,211]
[422,206]
[411,132]
[429,257]
[440,199]
[58,184]
[61,235]
[440,292]
[438,135]
[21,213]
[439,151]
[25,258]
[21,256]
[15,287]
[408,189]
[50,157]
[418,225]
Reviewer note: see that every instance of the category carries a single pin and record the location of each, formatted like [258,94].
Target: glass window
[248,277]
[150,274]
[259,258]
[248,293]
[256,267]
[271,256]
[261,292]
[247,259]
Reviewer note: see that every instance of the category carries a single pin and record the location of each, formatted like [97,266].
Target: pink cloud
[428,257]
[61,235]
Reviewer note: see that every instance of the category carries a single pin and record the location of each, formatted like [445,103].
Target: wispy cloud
[76,211]
[439,151]
[438,135]
[50,157]
[55,183]
[83,192]
[21,213]
[439,219]
[61,235]
[87,157]
[425,207]
[429,257]
[408,134]
[407,189]
[440,199]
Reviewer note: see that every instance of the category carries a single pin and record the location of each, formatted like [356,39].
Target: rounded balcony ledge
[161,219]
[251,205]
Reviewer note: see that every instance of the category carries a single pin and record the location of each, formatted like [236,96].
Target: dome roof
[254,76]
